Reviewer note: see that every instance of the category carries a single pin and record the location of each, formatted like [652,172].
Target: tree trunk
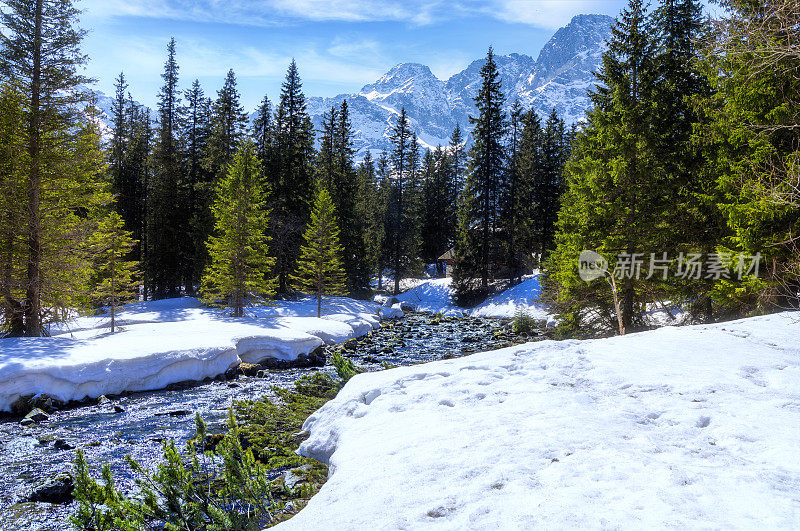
[627,305]
[33,327]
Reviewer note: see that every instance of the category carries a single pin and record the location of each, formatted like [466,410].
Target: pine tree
[12,216]
[198,188]
[241,266]
[344,193]
[63,167]
[457,159]
[614,203]
[320,269]
[264,137]
[291,182]
[478,243]
[370,208]
[547,186]
[401,230]
[513,202]
[228,127]
[166,215]
[119,139]
[114,277]
[326,165]
[750,141]
[439,208]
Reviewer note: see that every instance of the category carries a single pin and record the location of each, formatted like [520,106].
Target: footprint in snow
[703,422]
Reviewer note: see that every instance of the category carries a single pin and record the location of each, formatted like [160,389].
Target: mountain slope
[559,78]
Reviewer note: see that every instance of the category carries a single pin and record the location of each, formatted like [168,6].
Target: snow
[680,427]
[524,296]
[436,296]
[172,340]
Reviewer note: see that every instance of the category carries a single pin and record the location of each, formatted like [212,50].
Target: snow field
[436,296]
[680,427]
[169,341]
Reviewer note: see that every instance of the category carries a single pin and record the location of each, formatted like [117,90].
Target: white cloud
[270,12]
[541,13]
[549,13]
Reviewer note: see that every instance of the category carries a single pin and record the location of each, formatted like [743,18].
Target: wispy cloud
[270,12]
[204,59]
[541,13]
[547,13]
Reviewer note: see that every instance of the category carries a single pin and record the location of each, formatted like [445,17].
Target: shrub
[523,323]
[227,489]
[345,368]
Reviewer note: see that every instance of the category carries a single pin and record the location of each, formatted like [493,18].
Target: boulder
[37,415]
[391,301]
[61,444]
[27,403]
[54,489]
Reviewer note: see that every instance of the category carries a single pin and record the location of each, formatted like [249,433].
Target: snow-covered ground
[172,340]
[436,296]
[682,427]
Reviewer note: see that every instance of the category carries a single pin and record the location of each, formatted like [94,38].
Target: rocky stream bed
[37,453]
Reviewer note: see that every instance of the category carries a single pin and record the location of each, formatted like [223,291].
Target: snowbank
[436,296]
[168,341]
[690,427]
[432,296]
[524,296]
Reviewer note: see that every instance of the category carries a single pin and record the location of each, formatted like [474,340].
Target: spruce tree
[344,194]
[681,87]
[401,230]
[291,182]
[264,137]
[114,276]
[198,188]
[320,269]
[12,215]
[614,201]
[750,141]
[479,242]
[512,198]
[385,200]
[165,213]
[137,171]
[370,208]
[119,140]
[228,127]
[241,266]
[439,210]
[547,186]
[457,159]
[40,52]
[326,164]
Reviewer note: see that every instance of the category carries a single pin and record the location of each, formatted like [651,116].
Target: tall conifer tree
[291,183]
[165,212]
[478,236]
[241,266]
[41,53]
[320,269]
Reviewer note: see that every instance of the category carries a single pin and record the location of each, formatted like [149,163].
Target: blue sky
[339,45]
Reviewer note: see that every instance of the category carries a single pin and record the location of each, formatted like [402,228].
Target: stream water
[28,454]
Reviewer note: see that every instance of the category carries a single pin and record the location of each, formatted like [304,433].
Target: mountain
[559,78]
